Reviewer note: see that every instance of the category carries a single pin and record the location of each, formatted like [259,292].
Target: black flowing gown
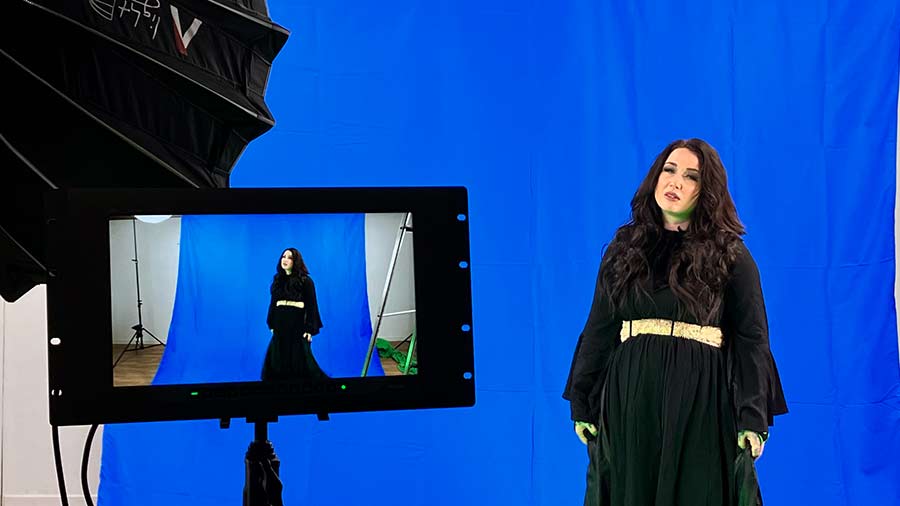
[668,408]
[289,356]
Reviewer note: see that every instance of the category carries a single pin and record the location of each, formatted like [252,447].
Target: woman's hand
[748,437]
[308,337]
[581,426]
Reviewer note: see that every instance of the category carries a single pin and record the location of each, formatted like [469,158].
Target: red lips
[672,196]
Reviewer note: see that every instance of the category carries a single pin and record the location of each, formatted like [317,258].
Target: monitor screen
[198,299]
[257,302]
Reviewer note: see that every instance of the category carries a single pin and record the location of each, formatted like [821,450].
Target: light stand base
[138,339]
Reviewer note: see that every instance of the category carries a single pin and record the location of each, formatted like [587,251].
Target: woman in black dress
[672,374]
[293,319]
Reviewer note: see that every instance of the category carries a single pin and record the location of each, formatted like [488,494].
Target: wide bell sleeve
[756,386]
[313,321]
[596,344]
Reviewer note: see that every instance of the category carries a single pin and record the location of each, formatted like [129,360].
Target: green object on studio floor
[387,350]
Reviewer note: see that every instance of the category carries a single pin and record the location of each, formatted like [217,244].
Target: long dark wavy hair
[290,283]
[699,268]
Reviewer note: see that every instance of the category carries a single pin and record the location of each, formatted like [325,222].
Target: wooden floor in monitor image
[137,368]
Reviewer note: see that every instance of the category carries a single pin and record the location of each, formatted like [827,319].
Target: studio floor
[138,367]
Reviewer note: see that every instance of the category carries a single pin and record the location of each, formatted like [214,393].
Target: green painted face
[681,215]
[678,187]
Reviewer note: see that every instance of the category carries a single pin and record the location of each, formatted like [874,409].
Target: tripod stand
[262,484]
[138,337]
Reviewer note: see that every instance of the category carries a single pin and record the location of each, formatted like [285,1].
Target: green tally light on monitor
[343,387]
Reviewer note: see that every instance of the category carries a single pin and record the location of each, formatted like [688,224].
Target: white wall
[28,472]
[2,387]
[158,247]
[381,235]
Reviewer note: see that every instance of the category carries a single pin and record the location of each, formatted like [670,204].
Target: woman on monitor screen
[293,319]
[673,386]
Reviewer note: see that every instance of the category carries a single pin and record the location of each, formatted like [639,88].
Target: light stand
[138,337]
[262,484]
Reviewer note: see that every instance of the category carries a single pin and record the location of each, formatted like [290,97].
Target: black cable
[59,467]
[84,466]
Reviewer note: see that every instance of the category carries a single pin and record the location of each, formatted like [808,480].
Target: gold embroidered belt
[707,335]
[295,303]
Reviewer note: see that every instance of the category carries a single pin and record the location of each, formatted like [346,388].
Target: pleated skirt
[667,430]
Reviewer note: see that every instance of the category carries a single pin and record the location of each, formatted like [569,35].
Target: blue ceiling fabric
[551,113]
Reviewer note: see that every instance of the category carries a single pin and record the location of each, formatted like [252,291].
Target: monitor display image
[199,299]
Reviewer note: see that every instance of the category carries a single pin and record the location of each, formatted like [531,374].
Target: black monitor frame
[79,308]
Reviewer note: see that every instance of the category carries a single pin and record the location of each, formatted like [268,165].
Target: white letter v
[182,40]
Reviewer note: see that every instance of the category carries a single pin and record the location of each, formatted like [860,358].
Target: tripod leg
[154,337]
[401,343]
[133,336]
[409,353]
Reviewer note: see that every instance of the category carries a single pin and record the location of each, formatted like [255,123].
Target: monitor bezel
[79,307]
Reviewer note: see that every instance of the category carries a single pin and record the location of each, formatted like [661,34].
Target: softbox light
[122,93]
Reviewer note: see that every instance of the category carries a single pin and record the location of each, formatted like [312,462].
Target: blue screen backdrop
[226,264]
[551,113]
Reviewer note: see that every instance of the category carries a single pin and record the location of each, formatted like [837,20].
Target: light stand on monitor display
[138,337]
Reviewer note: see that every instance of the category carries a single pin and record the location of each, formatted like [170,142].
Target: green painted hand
[579,430]
[748,437]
